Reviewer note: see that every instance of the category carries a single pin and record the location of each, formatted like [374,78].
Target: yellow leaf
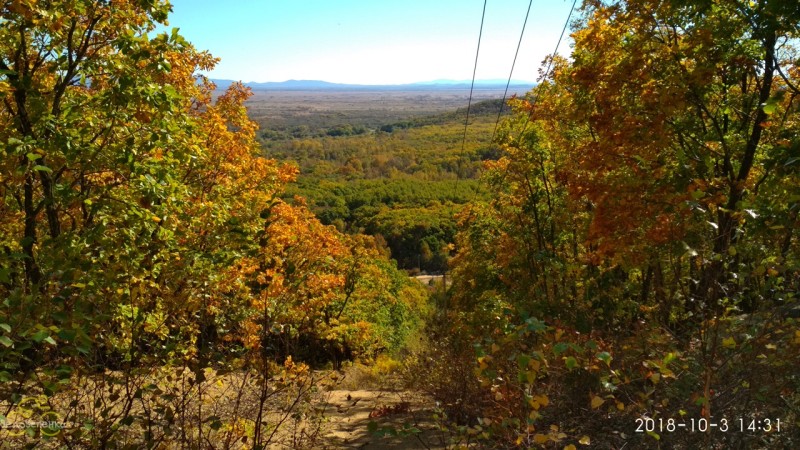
[655,378]
[620,406]
[537,401]
[596,402]
[585,441]
[540,438]
[156,219]
[729,342]
[772,346]
[570,447]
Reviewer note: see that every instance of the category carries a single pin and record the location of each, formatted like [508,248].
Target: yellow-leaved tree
[639,258]
[143,241]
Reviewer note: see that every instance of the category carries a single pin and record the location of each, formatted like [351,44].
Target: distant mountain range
[313,85]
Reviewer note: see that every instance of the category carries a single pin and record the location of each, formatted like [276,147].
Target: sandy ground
[349,412]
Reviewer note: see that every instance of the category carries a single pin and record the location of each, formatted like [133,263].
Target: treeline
[481,108]
[155,291]
[635,273]
[270,132]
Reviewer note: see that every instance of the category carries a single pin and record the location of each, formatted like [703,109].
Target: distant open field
[329,108]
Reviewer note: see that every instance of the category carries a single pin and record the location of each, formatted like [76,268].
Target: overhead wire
[475,68]
[549,64]
[511,73]
[471,89]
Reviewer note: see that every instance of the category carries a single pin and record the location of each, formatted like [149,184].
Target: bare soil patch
[349,412]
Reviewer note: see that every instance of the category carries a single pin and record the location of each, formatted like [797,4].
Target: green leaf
[560,348]
[33,156]
[67,335]
[535,325]
[6,341]
[40,335]
[571,362]
[127,420]
[605,357]
[6,327]
[50,340]
[41,168]
[64,372]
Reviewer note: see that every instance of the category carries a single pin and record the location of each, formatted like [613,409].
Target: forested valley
[622,266]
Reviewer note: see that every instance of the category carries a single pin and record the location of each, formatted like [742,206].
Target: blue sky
[370,41]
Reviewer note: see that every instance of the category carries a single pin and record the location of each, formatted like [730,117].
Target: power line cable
[471,88]
[514,63]
[469,105]
[549,64]
[533,102]
[547,70]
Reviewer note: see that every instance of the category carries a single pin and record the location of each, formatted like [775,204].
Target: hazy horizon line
[436,81]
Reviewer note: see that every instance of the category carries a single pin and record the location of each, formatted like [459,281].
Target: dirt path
[361,400]
[349,412]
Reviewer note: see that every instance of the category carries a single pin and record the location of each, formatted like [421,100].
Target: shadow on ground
[349,412]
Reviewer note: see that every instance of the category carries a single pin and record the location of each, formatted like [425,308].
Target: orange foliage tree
[141,231]
[639,256]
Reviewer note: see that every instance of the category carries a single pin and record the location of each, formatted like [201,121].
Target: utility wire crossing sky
[371,41]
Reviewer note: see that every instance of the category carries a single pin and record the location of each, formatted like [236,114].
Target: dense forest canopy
[403,181]
[405,184]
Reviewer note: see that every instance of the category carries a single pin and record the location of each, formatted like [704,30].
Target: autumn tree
[679,107]
[143,239]
[646,196]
